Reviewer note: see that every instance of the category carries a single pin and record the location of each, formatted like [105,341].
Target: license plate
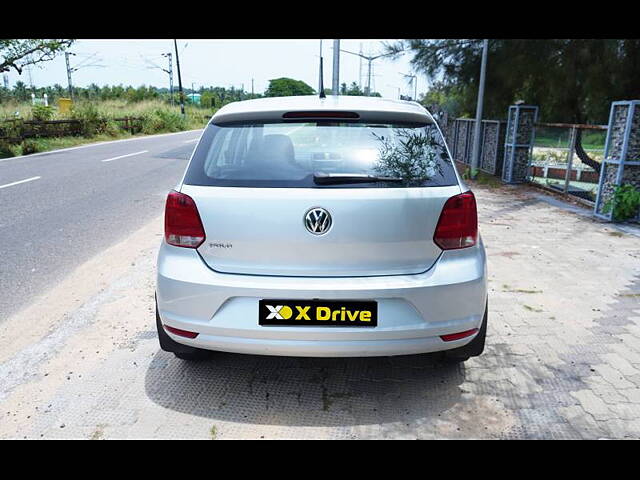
[318,312]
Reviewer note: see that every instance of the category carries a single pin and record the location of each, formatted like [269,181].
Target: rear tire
[183,352]
[473,348]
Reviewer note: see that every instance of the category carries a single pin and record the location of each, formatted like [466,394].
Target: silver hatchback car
[321,227]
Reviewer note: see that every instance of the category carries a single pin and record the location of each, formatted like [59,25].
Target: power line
[169,71]
[370,59]
[82,64]
[412,80]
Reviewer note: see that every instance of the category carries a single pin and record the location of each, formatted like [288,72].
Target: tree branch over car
[18,53]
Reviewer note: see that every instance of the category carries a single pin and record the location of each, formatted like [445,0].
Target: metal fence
[577,166]
[555,162]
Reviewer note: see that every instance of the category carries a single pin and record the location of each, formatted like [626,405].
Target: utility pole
[335,85]
[66,57]
[170,72]
[82,64]
[5,78]
[175,44]
[475,156]
[30,77]
[320,82]
[360,71]
[252,88]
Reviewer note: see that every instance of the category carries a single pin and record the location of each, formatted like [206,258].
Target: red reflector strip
[458,336]
[182,333]
[321,114]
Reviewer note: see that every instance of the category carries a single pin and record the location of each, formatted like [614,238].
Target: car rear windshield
[296,154]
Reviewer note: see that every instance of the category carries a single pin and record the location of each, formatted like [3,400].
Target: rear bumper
[413,310]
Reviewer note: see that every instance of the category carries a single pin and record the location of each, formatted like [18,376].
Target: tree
[17,54]
[285,87]
[354,90]
[571,80]
[20,91]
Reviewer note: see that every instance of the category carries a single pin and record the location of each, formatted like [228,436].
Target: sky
[221,63]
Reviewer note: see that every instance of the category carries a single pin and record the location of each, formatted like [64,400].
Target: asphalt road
[60,208]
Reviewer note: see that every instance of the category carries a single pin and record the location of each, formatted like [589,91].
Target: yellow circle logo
[286,312]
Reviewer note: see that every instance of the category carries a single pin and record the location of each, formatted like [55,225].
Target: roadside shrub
[162,120]
[91,122]
[7,150]
[112,128]
[29,146]
[12,131]
[624,202]
[42,112]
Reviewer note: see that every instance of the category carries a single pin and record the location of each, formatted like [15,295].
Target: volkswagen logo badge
[317,220]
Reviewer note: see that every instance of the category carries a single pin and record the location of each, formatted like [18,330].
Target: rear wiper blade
[337,178]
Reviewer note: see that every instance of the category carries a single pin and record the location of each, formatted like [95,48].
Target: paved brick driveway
[563,357]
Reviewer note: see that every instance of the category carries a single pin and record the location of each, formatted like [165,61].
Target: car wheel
[473,348]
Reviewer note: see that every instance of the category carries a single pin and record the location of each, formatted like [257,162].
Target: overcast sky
[221,63]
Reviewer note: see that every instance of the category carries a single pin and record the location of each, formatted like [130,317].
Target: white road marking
[190,141]
[19,182]
[125,156]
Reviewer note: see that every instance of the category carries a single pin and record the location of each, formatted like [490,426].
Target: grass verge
[38,145]
[97,125]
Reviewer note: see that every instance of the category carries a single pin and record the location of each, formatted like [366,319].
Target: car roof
[368,108]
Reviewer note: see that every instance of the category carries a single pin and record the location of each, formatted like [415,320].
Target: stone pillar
[621,163]
[492,147]
[519,143]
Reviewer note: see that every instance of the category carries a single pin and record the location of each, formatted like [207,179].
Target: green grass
[107,108]
[487,180]
[158,117]
[37,145]
[559,137]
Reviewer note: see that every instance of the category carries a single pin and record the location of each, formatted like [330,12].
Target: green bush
[91,122]
[7,150]
[624,202]
[42,112]
[162,120]
[112,128]
[29,146]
